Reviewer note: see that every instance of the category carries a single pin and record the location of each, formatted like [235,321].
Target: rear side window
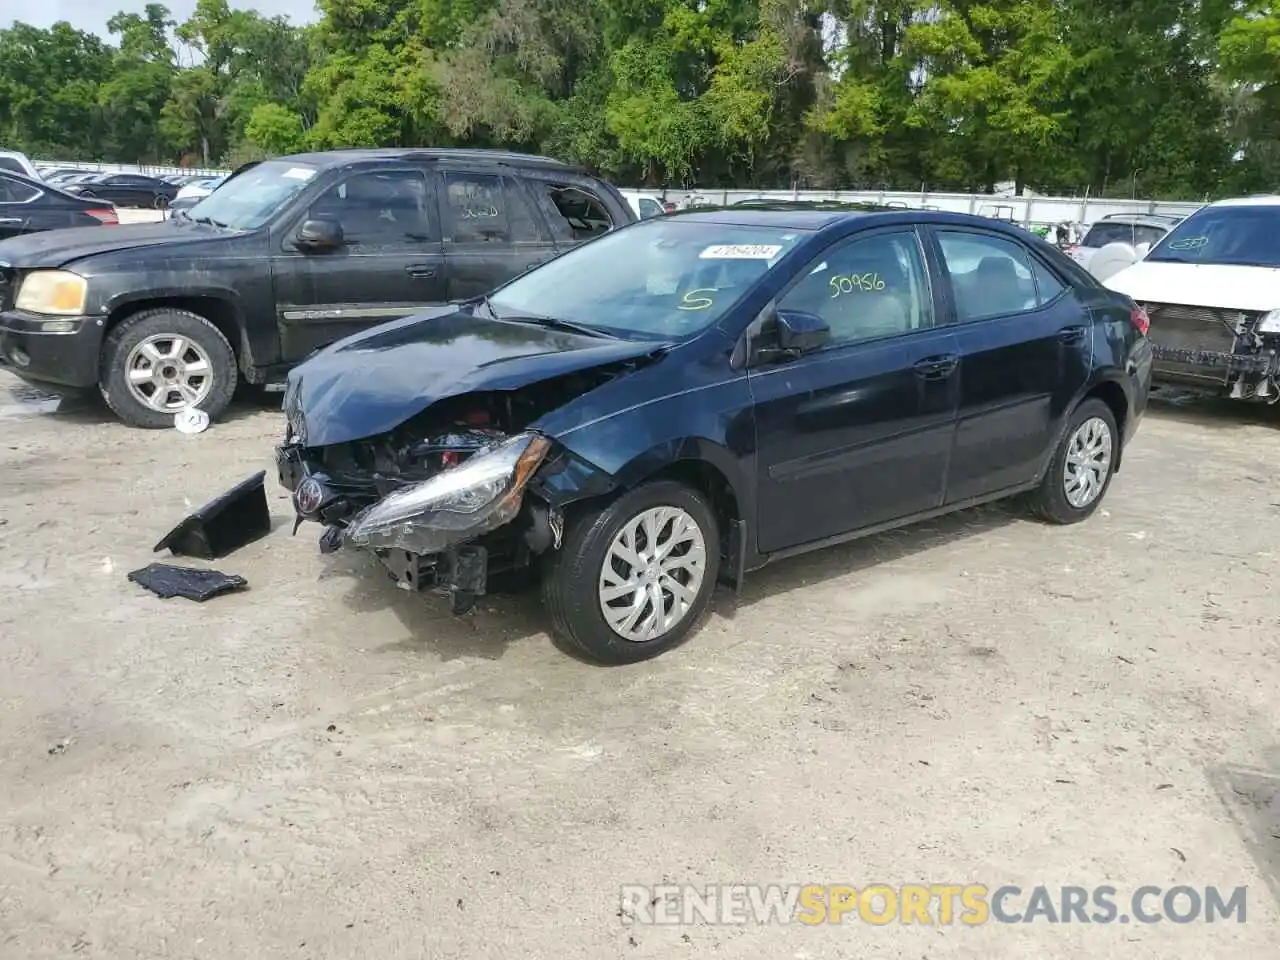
[990,276]
[15,191]
[650,208]
[1104,232]
[1047,285]
[575,212]
[486,208]
[9,163]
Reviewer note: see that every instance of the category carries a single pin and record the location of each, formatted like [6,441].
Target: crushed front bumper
[1218,350]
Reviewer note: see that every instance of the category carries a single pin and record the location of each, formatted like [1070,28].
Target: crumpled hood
[373,381]
[57,248]
[1216,285]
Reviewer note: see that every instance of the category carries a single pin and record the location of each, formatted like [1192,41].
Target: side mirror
[319,235]
[800,333]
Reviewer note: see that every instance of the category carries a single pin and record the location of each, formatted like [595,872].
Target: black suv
[286,256]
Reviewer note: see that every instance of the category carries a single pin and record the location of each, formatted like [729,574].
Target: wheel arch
[220,307]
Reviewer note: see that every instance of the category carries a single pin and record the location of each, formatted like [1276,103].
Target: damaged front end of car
[457,495]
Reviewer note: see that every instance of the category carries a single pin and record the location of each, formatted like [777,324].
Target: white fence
[1028,211]
[149,170]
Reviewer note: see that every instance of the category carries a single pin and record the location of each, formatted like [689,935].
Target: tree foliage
[1160,98]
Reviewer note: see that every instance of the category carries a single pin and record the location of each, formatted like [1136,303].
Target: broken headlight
[459,503]
[1270,322]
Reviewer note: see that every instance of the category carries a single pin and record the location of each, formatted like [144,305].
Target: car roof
[1146,219]
[333,158]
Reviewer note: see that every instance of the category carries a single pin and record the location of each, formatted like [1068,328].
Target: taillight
[106,215]
[1139,318]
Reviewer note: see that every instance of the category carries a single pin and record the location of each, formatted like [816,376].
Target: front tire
[1081,469]
[633,578]
[161,362]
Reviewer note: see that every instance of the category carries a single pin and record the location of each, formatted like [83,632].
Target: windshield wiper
[552,323]
[210,221]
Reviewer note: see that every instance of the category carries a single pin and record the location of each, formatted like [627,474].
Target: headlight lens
[464,501]
[1270,322]
[57,292]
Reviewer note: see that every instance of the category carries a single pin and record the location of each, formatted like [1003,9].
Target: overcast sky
[92,15]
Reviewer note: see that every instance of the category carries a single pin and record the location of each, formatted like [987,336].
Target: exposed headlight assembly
[56,292]
[460,503]
[1270,322]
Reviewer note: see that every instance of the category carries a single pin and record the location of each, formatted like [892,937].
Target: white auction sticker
[299,173]
[741,251]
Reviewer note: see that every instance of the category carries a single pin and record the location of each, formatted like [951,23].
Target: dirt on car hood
[372,382]
[57,248]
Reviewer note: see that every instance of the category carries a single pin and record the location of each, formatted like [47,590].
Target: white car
[1211,288]
[645,205]
[193,192]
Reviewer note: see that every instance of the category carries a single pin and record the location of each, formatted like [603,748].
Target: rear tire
[144,342]
[1082,467]
[667,521]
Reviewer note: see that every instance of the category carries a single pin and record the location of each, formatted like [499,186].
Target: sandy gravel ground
[324,766]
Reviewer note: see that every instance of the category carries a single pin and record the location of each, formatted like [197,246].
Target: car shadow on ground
[499,619]
[829,563]
[89,408]
[514,612]
[1217,412]
[1251,798]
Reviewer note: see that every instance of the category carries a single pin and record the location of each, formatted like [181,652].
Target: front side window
[376,208]
[866,288]
[680,277]
[650,208]
[249,199]
[1247,236]
[990,276]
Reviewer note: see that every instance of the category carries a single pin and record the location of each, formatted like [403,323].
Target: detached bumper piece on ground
[167,581]
[223,525]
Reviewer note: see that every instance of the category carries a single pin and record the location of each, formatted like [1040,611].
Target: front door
[858,433]
[492,232]
[1025,353]
[391,263]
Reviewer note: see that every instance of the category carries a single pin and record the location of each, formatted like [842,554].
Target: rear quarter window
[1100,234]
[574,211]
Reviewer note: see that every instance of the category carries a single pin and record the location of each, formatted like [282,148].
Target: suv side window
[379,209]
[487,208]
[650,208]
[11,163]
[990,276]
[575,212]
[15,191]
[866,288]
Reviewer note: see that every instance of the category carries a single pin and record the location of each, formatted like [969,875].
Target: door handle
[420,271]
[937,368]
[1071,334]
[10,219]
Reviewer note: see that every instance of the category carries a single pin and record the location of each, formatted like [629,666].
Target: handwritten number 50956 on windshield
[860,283]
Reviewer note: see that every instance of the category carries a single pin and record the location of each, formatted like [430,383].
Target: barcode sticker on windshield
[741,251]
[299,173]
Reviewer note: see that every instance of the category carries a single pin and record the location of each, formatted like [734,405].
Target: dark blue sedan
[680,401]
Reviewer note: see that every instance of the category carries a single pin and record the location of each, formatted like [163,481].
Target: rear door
[491,229]
[1025,352]
[391,264]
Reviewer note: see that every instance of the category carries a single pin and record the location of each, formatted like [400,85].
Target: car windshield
[1117,231]
[247,201]
[1240,235]
[658,279]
